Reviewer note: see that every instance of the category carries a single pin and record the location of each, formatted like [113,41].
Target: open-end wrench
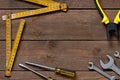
[93,67]
[110,65]
[117,54]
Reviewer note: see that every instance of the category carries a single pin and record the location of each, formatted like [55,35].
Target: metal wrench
[93,67]
[110,65]
[117,54]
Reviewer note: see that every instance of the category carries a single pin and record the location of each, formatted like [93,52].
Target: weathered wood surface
[59,26]
[26,75]
[69,54]
[69,40]
[9,4]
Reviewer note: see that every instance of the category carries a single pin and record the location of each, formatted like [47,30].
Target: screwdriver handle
[50,78]
[65,72]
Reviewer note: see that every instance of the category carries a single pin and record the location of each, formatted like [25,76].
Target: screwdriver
[65,72]
[39,74]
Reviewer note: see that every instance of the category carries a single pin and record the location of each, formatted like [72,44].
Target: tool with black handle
[110,26]
[39,74]
[65,72]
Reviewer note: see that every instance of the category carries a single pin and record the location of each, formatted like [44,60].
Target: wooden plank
[64,54]
[18,75]
[73,25]
[9,4]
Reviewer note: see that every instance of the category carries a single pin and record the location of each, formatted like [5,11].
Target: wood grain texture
[9,4]
[27,75]
[73,25]
[65,54]
[67,40]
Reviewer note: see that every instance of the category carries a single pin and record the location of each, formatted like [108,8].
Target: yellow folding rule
[11,53]
[50,7]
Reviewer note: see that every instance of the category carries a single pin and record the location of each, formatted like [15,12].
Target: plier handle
[110,26]
[117,18]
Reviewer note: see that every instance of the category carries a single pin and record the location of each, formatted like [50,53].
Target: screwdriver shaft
[41,66]
[21,65]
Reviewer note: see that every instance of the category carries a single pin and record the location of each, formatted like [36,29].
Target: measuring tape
[51,6]
[10,54]
[8,38]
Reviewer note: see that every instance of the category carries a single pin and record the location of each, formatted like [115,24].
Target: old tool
[10,54]
[51,6]
[117,54]
[110,65]
[93,67]
[39,74]
[69,73]
[110,26]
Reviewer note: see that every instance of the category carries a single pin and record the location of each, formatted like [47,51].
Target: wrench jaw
[109,64]
[91,65]
[117,54]
[114,78]
[112,29]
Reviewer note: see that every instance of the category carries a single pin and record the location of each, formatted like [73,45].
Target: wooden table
[69,40]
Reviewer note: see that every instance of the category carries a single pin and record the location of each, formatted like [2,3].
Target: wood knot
[52,44]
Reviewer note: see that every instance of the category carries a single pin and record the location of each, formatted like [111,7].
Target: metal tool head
[109,64]
[114,78]
[91,65]
[117,54]
[112,28]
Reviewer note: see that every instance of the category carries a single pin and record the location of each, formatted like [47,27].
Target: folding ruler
[10,54]
[51,7]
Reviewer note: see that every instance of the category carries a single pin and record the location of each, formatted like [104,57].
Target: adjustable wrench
[93,67]
[117,54]
[110,65]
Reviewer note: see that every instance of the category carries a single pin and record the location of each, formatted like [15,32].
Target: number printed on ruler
[14,48]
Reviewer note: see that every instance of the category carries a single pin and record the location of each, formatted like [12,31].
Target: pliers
[111,27]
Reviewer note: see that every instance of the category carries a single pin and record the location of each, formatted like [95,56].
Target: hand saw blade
[14,48]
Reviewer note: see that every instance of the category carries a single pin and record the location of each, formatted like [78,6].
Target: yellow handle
[117,18]
[66,72]
[50,78]
[102,13]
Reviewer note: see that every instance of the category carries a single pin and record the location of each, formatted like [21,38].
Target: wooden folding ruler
[51,6]
[10,54]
